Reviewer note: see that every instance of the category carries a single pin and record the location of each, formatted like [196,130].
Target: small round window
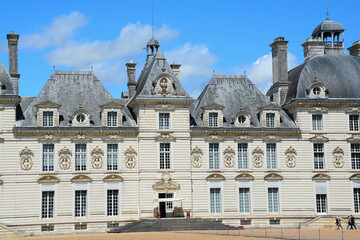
[316,91]
[80,118]
[242,119]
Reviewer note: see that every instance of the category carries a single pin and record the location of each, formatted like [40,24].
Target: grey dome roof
[340,74]
[153,42]
[328,26]
[5,80]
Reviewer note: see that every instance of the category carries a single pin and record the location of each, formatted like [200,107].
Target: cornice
[155,101]
[325,103]
[244,132]
[73,131]
[10,99]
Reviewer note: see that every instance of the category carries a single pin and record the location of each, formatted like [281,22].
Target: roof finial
[327,9]
[152,18]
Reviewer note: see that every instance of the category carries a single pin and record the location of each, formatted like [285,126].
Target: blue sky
[228,37]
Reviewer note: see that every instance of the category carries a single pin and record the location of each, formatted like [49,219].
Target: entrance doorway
[166,208]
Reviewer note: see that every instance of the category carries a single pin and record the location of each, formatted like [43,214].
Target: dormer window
[48,119]
[112,119]
[80,118]
[111,114]
[316,90]
[213,119]
[47,114]
[270,120]
[242,119]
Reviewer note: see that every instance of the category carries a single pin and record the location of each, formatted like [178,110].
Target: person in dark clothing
[352,219]
[338,224]
[349,223]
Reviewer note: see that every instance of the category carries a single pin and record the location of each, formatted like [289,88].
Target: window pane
[48,119]
[214,161]
[317,123]
[357,199]
[273,200]
[112,119]
[80,203]
[270,119]
[80,157]
[215,200]
[48,157]
[112,157]
[244,200]
[213,119]
[271,160]
[165,156]
[243,155]
[321,203]
[355,156]
[47,207]
[164,120]
[112,202]
[319,159]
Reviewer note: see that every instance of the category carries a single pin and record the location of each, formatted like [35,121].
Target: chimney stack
[176,69]
[355,49]
[13,60]
[279,69]
[313,47]
[131,78]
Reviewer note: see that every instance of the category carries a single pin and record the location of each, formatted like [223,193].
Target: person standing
[338,223]
[349,222]
[353,222]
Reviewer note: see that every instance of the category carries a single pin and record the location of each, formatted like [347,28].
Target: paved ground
[257,234]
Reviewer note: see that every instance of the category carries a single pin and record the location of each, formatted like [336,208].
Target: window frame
[271,156]
[356,199]
[48,120]
[272,208]
[112,121]
[113,202]
[213,204]
[164,123]
[79,163]
[244,207]
[316,159]
[270,119]
[243,156]
[214,122]
[112,157]
[49,212]
[164,153]
[355,156]
[354,124]
[46,158]
[317,124]
[319,207]
[214,156]
[83,209]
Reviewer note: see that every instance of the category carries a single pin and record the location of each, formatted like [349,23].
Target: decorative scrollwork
[130,157]
[97,157]
[338,160]
[26,159]
[229,156]
[196,155]
[65,158]
[290,157]
[258,155]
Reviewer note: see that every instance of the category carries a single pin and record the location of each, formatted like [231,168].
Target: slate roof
[328,26]
[234,92]
[339,73]
[5,80]
[70,89]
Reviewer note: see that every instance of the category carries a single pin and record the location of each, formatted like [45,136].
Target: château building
[75,159]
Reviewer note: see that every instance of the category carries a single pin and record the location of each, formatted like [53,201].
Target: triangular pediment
[166,186]
[212,106]
[111,104]
[47,104]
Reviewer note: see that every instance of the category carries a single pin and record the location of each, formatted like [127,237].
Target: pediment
[213,106]
[80,110]
[1,182]
[166,186]
[273,176]
[214,138]
[215,176]
[271,138]
[165,137]
[81,138]
[81,178]
[355,176]
[319,138]
[321,176]
[47,104]
[49,138]
[243,138]
[270,106]
[111,104]
[352,110]
[48,179]
[244,177]
[318,110]
[164,107]
[113,138]
[113,178]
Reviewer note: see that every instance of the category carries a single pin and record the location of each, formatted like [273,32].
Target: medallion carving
[258,156]
[65,158]
[338,160]
[290,154]
[196,156]
[163,86]
[26,159]
[97,157]
[130,157]
[229,156]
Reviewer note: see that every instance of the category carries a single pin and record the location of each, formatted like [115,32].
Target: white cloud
[3,47]
[59,33]
[260,72]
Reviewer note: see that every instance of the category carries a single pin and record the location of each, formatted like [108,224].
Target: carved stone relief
[26,159]
[165,137]
[162,107]
[338,160]
[196,156]
[112,138]
[163,86]
[229,156]
[48,138]
[258,156]
[290,157]
[272,138]
[97,157]
[81,138]
[243,138]
[130,157]
[65,158]
[214,138]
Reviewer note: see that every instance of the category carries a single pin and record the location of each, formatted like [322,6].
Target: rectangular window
[164,121]
[169,205]
[213,119]
[47,228]
[354,122]
[243,155]
[270,119]
[357,200]
[80,157]
[112,119]
[273,200]
[48,158]
[319,158]
[48,119]
[355,156]
[80,203]
[244,200]
[271,160]
[80,226]
[112,157]
[214,160]
[47,206]
[321,203]
[317,123]
[215,200]
[112,202]
[165,156]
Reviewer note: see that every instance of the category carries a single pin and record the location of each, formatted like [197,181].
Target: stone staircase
[324,222]
[6,232]
[173,224]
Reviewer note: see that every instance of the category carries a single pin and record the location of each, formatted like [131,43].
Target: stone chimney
[313,47]
[13,60]
[279,69]
[131,78]
[176,69]
[355,49]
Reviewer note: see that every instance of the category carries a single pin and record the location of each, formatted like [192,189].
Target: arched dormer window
[80,118]
[316,90]
[242,118]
